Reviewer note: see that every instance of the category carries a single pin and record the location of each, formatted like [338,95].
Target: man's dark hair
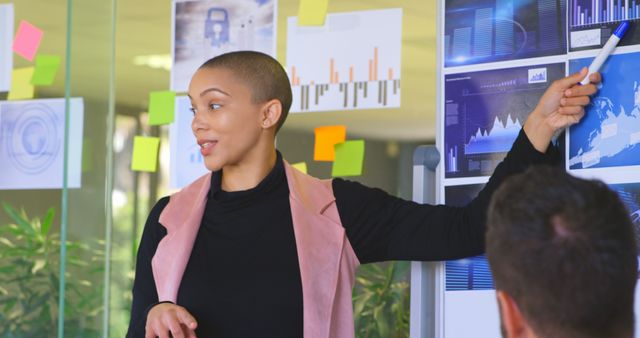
[263,74]
[563,248]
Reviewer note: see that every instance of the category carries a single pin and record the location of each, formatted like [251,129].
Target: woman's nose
[198,123]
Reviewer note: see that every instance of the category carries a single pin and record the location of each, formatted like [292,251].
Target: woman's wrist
[538,131]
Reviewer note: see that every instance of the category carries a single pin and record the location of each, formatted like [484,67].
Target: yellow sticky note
[349,159]
[21,87]
[145,153]
[312,12]
[326,138]
[87,155]
[302,166]
[161,107]
[46,70]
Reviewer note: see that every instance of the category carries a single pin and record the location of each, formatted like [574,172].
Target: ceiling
[143,27]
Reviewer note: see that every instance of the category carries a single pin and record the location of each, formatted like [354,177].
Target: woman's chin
[213,165]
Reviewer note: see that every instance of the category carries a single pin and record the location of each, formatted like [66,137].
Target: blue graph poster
[609,134]
[469,273]
[479,31]
[591,22]
[484,112]
[630,194]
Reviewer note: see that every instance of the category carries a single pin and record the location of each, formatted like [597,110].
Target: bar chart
[591,22]
[325,77]
[590,12]
[488,31]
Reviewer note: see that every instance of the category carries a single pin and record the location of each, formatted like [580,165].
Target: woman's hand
[561,106]
[167,317]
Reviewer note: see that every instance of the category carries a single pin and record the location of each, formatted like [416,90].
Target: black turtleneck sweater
[243,278]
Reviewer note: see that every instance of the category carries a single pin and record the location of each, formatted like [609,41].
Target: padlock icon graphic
[216,26]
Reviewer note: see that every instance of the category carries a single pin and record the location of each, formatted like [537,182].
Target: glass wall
[113,54]
[55,175]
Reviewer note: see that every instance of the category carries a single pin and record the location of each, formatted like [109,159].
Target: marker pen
[607,49]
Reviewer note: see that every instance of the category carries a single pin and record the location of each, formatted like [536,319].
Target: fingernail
[567,93]
[563,101]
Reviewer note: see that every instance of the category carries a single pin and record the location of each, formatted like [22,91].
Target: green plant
[381,300]
[29,279]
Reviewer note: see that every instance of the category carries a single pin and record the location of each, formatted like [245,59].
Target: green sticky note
[312,12]
[349,159]
[21,88]
[161,107]
[87,155]
[145,153]
[302,166]
[46,70]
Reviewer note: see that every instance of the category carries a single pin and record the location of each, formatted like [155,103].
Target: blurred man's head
[563,256]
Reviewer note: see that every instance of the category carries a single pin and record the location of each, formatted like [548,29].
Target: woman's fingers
[575,101]
[571,110]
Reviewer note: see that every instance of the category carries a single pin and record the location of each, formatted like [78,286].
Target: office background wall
[113,54]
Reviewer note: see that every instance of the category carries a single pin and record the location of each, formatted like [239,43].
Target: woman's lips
[206,147]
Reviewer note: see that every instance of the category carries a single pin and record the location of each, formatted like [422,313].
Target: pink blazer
[327,260]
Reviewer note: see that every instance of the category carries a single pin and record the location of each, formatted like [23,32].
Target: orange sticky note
[326,138]
[27,40]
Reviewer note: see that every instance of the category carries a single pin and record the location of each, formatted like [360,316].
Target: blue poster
[484,112]
[469,273]
[630,195]
[479,31]
[609,134]
[591,22]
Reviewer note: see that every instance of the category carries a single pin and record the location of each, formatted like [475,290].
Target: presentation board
[496,58]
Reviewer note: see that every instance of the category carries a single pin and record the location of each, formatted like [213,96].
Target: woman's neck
[250,172]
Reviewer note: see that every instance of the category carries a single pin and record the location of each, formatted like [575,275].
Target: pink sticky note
[27,40]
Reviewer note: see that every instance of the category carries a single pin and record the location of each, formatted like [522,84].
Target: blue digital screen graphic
[469,273]
[609,134]
[630,195]
[591,22]
[484,112]
[498,30]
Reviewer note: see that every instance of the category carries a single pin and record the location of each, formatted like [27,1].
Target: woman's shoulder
[157,209]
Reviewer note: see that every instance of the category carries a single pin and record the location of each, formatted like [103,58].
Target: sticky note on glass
[326,138]
[349,159]
[21,88]
[302,166]
[161,107]
[312,12]
[46,70]
[27,40]
[145,153]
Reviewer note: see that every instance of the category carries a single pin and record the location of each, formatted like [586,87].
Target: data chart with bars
[484,111]
[591,22]
[499,30]
[471,273]
[352,62]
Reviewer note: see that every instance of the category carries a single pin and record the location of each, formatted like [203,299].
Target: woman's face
[226,122]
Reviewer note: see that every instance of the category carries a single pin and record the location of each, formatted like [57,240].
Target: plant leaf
[6,242]
[38,265]
[20,221]
[48,220]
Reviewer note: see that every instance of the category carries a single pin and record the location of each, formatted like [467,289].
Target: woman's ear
[513,324]
[271,114]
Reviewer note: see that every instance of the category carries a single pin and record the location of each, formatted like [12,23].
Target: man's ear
[513,323]
[271,114]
